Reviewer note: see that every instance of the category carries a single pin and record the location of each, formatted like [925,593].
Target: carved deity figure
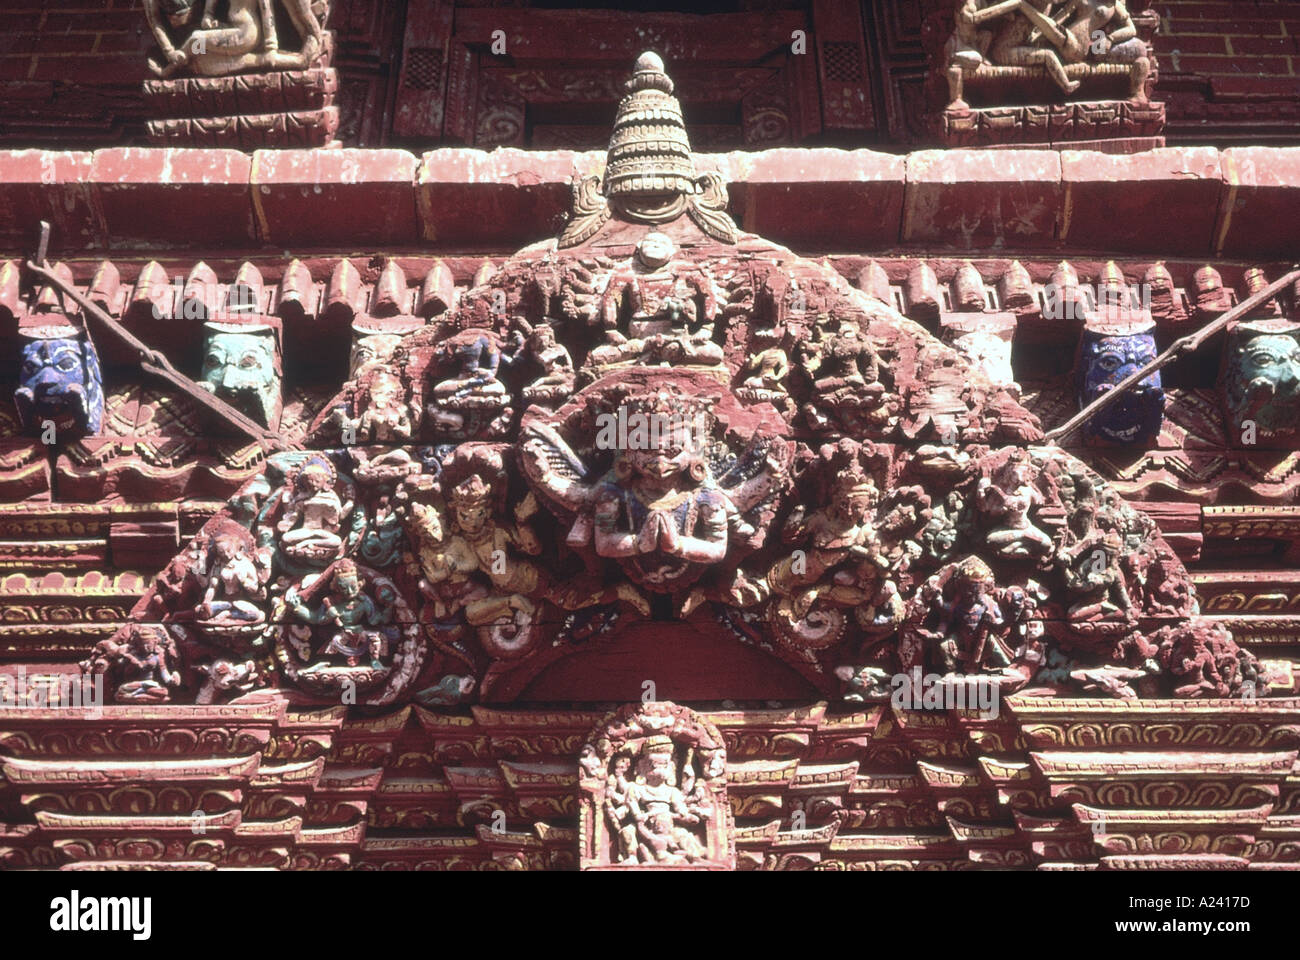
[384,416]
[1204,661]
[763,378]
[59,382]
[839,561]
[144,666]
[473,400]
[1261,381]
[309,528]
[556,364]
[666,308]
[961,620]
[190,36]
[1105,361]
[843,368]
[1094,579]
[656,818]
[1047,35]
[241,365]
[476,566]
[234,581]
[652,783]
[659,511]
[354,620]
[1005,501]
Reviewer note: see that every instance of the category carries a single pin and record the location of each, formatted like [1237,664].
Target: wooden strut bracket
[1182,345]
[152,361]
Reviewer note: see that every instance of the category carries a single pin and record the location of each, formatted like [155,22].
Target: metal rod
[153,361]
[1187,344]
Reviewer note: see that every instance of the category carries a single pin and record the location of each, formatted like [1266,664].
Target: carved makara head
[59,381]
[241,365]
[1261,380]
[1107,357]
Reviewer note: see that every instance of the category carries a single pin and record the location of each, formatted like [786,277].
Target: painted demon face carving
[242,369]
[59,382]
[1104,363]
[1262,382]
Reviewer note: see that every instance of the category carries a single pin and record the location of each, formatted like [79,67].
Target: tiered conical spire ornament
[649,176]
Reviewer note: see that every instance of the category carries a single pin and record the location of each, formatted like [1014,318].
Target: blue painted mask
[1105,361]
[59,381]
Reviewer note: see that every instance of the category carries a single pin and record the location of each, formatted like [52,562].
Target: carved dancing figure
[1007,499]
[247,41]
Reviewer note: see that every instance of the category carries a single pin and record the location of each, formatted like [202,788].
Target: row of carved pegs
[923,297]
[201,295]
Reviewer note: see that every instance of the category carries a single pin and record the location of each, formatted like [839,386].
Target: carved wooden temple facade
[764,435]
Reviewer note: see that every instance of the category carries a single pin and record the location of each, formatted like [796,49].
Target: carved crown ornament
[653,436]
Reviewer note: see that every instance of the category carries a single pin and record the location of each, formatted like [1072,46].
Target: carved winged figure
[659,510]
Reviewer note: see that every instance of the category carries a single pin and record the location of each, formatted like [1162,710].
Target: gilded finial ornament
[649,174]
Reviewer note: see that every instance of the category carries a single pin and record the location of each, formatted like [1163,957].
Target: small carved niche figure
[190,35]
[140,661]
[844,370]
[653,792]
[763,378]
[472,402]
[383,413]
[313,507]
[233,575]
[555,384]
[1005,501]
